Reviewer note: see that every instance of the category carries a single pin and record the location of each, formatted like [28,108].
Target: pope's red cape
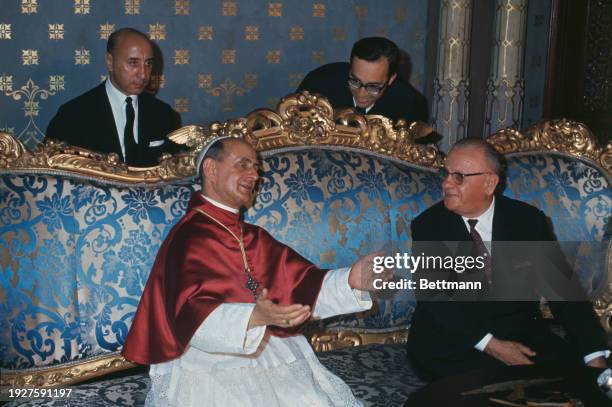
[198,267]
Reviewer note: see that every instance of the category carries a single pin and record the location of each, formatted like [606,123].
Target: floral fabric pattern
[75,254]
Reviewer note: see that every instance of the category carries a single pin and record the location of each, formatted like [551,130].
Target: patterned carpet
[378,374]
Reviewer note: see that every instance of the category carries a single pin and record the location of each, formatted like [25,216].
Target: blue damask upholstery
[80,251]
[576,195]
[76,252]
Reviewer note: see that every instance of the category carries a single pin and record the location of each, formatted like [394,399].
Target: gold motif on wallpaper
[81,6]
[295,78]
[5,31]
[30,93]
[29,6]
[401,14]
[181,105]
[56,83]
[229,8]
[275,9]
[318,56]
[157,81]
[6,83]
[81,56]
[228,89]
[205,33]
[338,34]
[56,31]
[318,10]
[361,12]
[181,57]
[251,33]
[205,80]
[228,56]
[296,33]
[157,31]
[106,30]
[273,56]
[182,7]
[132,7]
[29,57]
[251,80]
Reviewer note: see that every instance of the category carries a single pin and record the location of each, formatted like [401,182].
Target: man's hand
[268,313]
[599,362]
[509,352]
[362,276]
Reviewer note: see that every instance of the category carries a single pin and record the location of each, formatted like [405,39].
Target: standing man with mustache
[219,319]
[118,116]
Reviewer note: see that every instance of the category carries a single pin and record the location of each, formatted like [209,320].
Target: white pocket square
[156,143]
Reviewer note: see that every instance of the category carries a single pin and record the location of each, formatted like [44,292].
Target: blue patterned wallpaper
[222,58]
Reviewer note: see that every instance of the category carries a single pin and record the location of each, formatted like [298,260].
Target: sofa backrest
[79,233]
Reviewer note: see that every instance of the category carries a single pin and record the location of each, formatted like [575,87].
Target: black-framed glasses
[373,89]
[459,177]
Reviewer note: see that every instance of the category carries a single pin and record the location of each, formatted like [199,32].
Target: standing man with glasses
[119,116]
[369,83]
[452,337]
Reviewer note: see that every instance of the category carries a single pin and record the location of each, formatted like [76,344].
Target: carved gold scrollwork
[10,150]
[560,135]
[329,340]
[301,119]
[66,374]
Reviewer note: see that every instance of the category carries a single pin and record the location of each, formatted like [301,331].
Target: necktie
[360,110]
[481,249]
[128,133]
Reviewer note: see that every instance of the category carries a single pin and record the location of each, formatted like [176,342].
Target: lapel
[456,227]
[503,224]
[107,127]
[455,233]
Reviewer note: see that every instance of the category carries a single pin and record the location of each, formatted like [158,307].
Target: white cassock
[227,365]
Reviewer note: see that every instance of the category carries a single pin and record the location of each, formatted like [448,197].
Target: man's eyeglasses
[459,177]
[373,89]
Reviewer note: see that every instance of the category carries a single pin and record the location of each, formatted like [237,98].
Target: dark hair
[216,151]
[495,159]
[114,38]
[373,48]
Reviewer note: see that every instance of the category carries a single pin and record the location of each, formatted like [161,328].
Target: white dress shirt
[117,102]
[367,109]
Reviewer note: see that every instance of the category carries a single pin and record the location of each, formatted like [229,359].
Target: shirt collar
[220,205]
[485,220]
[117,97]
[367,109]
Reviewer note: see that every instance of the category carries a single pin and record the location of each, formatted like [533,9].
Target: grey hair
[494,158]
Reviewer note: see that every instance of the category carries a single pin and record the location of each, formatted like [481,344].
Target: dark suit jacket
[443,334]
[400,100]
[87,121]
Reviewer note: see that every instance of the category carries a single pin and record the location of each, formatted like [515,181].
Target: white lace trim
[304,382]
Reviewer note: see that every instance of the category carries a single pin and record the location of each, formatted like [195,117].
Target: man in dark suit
[451,337]
[117,116]
[369,83]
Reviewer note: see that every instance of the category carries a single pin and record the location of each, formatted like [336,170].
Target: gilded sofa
[79,233]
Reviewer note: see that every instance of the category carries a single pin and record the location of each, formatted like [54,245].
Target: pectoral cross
[251,283]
